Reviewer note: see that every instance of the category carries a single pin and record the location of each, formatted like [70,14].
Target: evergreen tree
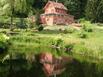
[100,12]
[94,10]
[74,7]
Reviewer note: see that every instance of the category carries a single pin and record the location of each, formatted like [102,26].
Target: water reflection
[81,66]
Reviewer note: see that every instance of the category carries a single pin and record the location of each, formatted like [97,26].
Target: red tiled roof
[56,5]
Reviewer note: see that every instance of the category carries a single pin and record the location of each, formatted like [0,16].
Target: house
[56,13]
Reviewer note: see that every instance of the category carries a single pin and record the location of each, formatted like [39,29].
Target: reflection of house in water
[56,13]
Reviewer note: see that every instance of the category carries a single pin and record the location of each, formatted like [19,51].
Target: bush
[3,42]
[87,28]
[57,42]
[40,28]
[68,30]
[100,24]
[82,35]
[30,23]
[16,30]
[69,47]
[4,25]
[21,25]
[18,55]
[3,31]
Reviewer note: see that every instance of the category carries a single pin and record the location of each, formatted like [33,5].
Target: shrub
[68,30]
[57,42]
[82,20]
[69,47]
[18,55]
[21,23]
[82,35]
[40,28]
[3,42]
[99,24]
[16,30]
[3,32]
[29,23]
[87,28]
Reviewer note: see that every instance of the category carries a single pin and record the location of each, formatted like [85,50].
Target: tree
[23,7]
[100,12]
[16,8]
[22,10]
[5,7]
[94,10]
[73,7]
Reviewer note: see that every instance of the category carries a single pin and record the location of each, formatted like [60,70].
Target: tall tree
[5,7]
[94,10]
[73,7]
[21,7]
[100,12]
[16,8]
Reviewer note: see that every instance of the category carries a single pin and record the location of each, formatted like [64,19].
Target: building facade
[56,13]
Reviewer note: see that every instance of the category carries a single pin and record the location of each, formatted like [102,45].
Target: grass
[34,41]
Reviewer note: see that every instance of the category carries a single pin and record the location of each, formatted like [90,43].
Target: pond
[20,66]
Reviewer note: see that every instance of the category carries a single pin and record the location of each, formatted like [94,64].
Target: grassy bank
[83,41]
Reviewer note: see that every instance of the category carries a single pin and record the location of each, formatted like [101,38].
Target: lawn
[34,41]
[31,40]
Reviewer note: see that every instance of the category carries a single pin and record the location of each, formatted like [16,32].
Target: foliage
[3,37]
[3,42]
[58,42]
[21,24]
[40,28]
[82,34]
[86,25]
[87,28]
[69,47]
[80,48]
[29,23]
[93,10]
[68,30]
[20,8]
[75,7]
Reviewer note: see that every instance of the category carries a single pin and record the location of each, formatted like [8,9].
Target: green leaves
[3,42]
[94,10]
[3,37]
[19,6]
[74,7]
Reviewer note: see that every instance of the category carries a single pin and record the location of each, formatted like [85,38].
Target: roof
[56,5]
